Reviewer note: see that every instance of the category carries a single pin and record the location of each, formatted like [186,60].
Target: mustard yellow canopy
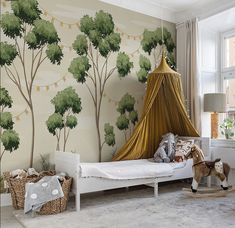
[163,112]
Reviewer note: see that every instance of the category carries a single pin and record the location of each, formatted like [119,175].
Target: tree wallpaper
[37,36]
[75,73]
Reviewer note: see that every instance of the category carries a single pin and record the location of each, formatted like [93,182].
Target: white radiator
[225,149]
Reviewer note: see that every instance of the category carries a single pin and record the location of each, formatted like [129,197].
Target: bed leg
[77,198]
[78,195]
[155,188]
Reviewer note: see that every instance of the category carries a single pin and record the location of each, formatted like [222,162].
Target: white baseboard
[6,199]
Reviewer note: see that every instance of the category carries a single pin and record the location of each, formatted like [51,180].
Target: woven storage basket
[58,205]
[17,186]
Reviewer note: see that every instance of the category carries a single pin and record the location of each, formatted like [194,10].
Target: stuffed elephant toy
[160,155]
[166,150]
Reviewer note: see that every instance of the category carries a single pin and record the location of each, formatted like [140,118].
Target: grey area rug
[138,208]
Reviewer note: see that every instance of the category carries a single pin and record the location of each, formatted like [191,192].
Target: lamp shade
[215,102]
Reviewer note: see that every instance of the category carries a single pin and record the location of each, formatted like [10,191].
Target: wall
[52,78]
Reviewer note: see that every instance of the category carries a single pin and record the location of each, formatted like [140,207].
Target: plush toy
[170,140]
[166,150]
[21,173]
[160,155]
[18,173]
[31,172]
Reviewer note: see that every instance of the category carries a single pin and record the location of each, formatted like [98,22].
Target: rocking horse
[202,168]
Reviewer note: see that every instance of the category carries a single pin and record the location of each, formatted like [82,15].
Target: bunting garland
[53,84]
[110,100]
[131,54]
[18,116]
[76,24]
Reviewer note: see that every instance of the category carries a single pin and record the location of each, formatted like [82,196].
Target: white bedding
[131,169]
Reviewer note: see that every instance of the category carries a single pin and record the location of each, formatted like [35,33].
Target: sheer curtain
[187,64]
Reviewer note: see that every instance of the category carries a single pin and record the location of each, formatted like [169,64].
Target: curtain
[187,63]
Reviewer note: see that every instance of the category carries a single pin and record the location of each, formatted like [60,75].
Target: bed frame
[69,162]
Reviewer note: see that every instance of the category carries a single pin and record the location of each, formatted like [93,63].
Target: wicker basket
[58,205]
[17,186]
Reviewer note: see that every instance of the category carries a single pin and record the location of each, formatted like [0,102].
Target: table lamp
[214,103]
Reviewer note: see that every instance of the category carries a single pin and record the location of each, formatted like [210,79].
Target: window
[228,70]
[229,52]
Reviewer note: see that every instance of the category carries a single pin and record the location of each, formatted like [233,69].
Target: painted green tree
[67,105]
[95,47]
[8,137]
[33,37]
[150,43]
[128,115]
[109,135]
[145,67]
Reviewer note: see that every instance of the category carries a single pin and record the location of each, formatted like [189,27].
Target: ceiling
[175,11]
[178,5]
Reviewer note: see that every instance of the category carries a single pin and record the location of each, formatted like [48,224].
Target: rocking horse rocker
[202,168]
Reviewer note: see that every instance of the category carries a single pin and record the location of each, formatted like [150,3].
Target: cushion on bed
[182,148]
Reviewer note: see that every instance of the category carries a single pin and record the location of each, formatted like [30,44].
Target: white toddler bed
[92,177]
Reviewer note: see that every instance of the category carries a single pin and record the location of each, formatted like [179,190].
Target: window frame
[226,72]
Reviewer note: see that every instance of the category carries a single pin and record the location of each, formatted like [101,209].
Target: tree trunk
[125,135]
[64,138]
[57,146]
[97,120]
[2,154]
[33,134]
